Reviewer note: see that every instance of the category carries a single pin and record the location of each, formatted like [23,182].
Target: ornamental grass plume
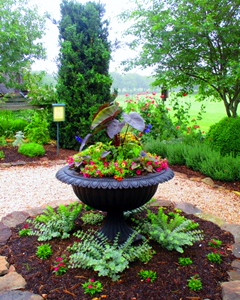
[123,156]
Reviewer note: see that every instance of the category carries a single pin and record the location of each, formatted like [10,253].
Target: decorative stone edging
[11,282]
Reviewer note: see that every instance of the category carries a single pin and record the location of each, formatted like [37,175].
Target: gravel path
[24,188]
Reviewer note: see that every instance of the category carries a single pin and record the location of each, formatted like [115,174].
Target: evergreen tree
[84,82]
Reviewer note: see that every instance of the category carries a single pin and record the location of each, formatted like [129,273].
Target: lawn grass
[215,111]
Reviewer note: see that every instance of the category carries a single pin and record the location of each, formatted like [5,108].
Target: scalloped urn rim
[70,176]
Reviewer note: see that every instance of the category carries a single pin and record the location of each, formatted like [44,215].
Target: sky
[116,28]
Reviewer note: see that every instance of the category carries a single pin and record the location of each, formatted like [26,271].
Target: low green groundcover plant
[92,287]
[92,218]
[44,251]
[195,283]
[185,261]
[148,275]
[215,257]
[32,149]
[215,243]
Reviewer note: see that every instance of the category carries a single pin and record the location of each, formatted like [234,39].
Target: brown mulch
[172,278]
[12,156]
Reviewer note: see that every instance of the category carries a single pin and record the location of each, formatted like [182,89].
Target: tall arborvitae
[84,82]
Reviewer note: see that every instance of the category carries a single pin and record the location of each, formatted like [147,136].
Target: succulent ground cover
[164,276]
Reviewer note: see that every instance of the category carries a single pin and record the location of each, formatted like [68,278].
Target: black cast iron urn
[114,197]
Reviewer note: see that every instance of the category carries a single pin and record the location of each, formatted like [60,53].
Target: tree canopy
[190,43]
[21,29]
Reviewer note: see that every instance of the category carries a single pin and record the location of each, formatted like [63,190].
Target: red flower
[139,172]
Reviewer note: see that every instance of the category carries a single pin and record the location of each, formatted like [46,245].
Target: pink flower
[139,172]
[165,165]
[70,160]
[26,226]
[92,280]
[159,169]
[90,286]
[86,175]
[148,279]
[59,259]
[62,265]
[56,269]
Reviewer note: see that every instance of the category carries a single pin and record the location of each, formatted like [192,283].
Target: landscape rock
[236,250]
[231,290]
[15,218]
[11,281]
[208,181]
[234,229]
[212,218]
[188,208]
[19,295]
[5,233]
[4,265]
[234,275]
[236,264]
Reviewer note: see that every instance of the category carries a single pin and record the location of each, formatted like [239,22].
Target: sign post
[58,116]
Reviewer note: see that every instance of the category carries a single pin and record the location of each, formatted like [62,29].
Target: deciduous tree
[191,43]
[21,29]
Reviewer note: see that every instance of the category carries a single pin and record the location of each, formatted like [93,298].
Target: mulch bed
[172,278]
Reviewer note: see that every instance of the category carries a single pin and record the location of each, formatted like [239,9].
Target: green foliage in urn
[53,224]
[107,259]
[124,155]
[84,82]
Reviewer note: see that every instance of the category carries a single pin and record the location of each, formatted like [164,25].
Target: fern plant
[52,224]
[107,259]
[172,232]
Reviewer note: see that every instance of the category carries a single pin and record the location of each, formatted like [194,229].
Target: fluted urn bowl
[114,197]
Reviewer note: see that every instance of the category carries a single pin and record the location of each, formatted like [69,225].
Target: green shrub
[32,149]
[225,168]
[2,154]
[3,141]
[173,150]
[57,224]
[224,136]
[37,131]
[195,155]
[173,232]
[199,157]
[18,125]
